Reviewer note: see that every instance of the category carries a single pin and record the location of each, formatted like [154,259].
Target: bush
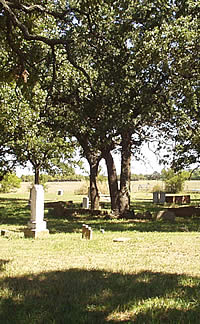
[157,188]
[174,182]
[84,188]
[10,181]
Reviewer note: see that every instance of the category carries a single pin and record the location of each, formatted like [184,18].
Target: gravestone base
[41,226]
[34,233]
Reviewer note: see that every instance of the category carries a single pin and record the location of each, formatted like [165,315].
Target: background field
[75,190]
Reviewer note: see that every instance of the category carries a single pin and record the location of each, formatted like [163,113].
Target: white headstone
[86,202]
[37,223]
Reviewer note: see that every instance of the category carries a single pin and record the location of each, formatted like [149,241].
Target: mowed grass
[154,277]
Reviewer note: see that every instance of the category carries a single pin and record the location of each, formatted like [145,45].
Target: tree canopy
[111,70]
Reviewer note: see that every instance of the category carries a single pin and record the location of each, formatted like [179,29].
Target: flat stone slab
[121,239]
[31,233]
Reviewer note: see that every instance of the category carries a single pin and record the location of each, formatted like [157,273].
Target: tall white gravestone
[37,226]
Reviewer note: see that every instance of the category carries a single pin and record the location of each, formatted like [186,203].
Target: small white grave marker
[86,202]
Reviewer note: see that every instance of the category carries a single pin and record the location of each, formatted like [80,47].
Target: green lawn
[154,277]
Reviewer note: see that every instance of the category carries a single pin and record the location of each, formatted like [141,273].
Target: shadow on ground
[89,296]
[14,211]
[70,226]
[3,263]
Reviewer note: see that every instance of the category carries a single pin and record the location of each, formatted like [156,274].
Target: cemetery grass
[154,277]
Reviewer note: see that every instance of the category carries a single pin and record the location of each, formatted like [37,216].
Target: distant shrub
[10,181]
[83,190]
[174,182]
[157,188]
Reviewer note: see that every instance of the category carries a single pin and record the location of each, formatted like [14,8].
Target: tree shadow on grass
[94,296]
[2,264]
[75,225]
[14,211]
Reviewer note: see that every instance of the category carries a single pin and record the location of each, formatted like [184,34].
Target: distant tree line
[50,178]
[190,175]
[174,181]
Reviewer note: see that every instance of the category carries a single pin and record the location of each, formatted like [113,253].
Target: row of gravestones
[159,197]
[37,227]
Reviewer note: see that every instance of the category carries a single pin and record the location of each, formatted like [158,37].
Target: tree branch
[82,70]
[25,31]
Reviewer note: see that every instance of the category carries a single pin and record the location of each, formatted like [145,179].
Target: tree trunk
[93,157]
[113,182]
[37,175]
[124,196]
[94,193]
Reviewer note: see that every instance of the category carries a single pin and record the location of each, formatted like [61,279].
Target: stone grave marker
[86,202]
[162,197]
[86,232]
[156,197]
[37,226]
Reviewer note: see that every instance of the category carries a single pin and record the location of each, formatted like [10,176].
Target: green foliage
[57,177]
[109,67]
[195,175]
[153,176]
[10,181]
[174,182]
[136,177]
[157,188]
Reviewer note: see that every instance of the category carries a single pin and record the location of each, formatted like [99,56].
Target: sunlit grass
[154,277]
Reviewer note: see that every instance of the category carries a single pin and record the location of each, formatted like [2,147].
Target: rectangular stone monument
[84,229]
[162,197]
[86,202]
[37,226]
[156,197]
[60,192]
[89,233]
[86,232]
